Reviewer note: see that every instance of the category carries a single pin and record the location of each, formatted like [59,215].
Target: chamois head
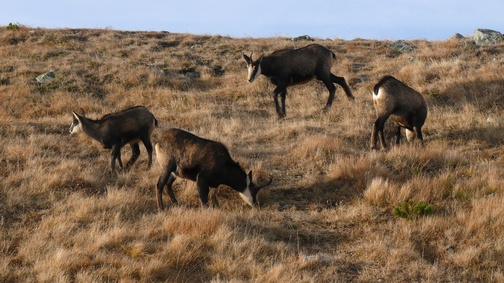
[249,195]
[76,126]
[253,67]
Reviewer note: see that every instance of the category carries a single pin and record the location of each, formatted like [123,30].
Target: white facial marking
[247,196]
[76,128]
[250,70]
[160,155]
[251,76]
[258,72]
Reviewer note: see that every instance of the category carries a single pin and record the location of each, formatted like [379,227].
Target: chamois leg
[341,81]
[398,135]
[282,90]
[215,203]
[119,160]
[135,153]
[374,139]
[418,131]
[163,179]
[169,184]
[166,179]
[148,146]
[283,94]
[116,154]
[378,130]
[332,90]
[203,190]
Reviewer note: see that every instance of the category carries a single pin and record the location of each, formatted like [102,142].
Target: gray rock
[364,79]
[157,69]
[457,36]
[401,46]
[193,74]
[357,66]
[302,38]
[46,77]
[487,37]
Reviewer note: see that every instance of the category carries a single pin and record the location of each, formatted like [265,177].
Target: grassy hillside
[328,216]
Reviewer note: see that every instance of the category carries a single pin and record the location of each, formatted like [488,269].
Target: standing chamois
[296,66]
[208,163]
[405,107]
[115,130]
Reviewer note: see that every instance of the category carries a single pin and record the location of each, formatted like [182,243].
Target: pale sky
[369,19]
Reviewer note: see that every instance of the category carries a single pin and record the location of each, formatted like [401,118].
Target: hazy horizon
[389,19]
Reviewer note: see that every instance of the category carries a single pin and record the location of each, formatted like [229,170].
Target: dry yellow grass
[327,217]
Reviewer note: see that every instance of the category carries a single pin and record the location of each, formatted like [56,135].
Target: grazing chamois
[296,66]
[115,130]
[206,162]
[405,106]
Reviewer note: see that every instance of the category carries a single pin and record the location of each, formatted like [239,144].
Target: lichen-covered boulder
[487,37]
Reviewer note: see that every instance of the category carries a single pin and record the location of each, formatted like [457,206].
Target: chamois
[206,162]
[115,130]
[405,106]
[296,66]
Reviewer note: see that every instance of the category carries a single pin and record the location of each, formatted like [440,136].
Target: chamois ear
[260,59]
[247,58]
[249,178]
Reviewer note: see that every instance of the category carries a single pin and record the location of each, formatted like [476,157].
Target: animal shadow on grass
[306,238]
[86,187]
[485,95]
[491,135]
[322,194]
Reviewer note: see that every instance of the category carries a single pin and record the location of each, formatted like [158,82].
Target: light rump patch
[160,154]
[377,96]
